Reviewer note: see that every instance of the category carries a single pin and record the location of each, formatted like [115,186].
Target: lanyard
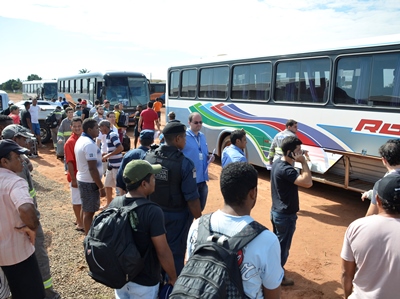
[195,138]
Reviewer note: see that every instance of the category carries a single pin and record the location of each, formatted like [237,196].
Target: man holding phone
[285,196]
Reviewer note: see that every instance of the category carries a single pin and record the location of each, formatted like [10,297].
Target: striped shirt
[15,247]
[113,142]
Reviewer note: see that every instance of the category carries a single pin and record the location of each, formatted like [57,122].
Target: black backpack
[213,269]
[110,249]
[123,120]
[51,120]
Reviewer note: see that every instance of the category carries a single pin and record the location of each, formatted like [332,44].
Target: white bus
[129,88]
[45,89]
[346,102]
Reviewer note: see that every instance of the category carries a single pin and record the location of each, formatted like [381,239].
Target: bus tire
[225,142]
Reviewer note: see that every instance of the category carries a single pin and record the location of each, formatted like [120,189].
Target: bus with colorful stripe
[129,88]
[346,102]
[44,89]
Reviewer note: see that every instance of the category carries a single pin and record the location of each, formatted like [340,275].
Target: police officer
[176,189]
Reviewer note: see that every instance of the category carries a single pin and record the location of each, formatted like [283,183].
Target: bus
[44,89]
[129,88]
[346,102]
[157,90]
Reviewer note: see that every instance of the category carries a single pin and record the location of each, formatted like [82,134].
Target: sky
[53,38]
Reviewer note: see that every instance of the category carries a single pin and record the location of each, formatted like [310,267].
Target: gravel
[65,244]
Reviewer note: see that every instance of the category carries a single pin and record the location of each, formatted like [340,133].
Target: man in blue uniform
[235,152]
[176,189]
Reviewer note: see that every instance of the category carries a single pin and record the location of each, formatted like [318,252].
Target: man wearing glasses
[196,149]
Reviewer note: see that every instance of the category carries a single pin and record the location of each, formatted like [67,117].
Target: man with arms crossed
[235,152]
[261,268]
[149,232]
[90,169]
[70,159]
[113,157]
[370,253]
[18,227]
[285,181]
[196,149]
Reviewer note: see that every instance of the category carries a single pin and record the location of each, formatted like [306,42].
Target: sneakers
[287,282]
[32,156]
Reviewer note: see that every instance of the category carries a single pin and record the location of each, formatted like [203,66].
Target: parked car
[48,107]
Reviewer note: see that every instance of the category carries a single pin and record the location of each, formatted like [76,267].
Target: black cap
[146,134]
[389,188]
[174,128]
[7,146]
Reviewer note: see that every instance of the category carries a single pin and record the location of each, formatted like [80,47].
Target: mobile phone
[291,155]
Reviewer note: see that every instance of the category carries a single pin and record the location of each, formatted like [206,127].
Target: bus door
[91,92]
[100,92]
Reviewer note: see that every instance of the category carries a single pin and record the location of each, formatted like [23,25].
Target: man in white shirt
[260,266]
[90,168]
[34,111]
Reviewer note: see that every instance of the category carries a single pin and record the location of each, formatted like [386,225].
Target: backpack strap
[236,242]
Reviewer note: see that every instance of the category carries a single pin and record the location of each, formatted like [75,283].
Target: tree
[33,77]
[84,71]
[11,85]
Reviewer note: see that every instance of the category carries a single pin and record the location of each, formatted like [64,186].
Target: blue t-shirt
[285,195]
[231,154]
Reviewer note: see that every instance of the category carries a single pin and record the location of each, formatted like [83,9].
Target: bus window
[189,83]
[302,80]
[214,82]
[173,90]
[251,82]
[368,80]
[85,85]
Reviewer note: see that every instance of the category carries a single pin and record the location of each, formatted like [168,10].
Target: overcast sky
[54,38]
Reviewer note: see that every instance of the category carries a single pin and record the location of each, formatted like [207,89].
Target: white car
[47,107]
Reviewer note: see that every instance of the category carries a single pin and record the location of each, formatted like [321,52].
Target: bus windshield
[50,91]
[129,91]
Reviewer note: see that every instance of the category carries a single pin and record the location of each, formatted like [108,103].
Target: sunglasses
[197,122]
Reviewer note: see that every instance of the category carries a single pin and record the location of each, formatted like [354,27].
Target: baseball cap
[11,131]
[7,146]
[136,170]
[10,103]
[84,102]
[146,134]
[174,128]
[389,189]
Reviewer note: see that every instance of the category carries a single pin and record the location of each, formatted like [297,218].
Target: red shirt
[148,117]
[15,117]
[70,154]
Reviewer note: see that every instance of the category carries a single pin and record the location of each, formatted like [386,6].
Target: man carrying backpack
[259,260]
[149,234]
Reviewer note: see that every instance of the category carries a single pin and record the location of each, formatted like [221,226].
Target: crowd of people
[174,175]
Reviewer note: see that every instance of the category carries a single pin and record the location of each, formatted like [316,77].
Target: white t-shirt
[34,111]
[373,242]
[103,141]
[87,150]
[262,256]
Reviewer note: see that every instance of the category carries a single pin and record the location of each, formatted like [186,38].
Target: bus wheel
[226,142]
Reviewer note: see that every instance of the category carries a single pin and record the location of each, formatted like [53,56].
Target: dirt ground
[314,262]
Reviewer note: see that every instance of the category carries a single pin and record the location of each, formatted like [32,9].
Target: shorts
[36,129]
[159,114]
[134,290]
[111,178]
[75,195]
[90,197]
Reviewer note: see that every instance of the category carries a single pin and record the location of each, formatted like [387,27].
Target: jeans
[134,290]
[284,226]
[202,188]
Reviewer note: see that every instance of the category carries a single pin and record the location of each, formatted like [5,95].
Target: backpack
[110,249]
[213,269]
[51,120]
[123,120]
